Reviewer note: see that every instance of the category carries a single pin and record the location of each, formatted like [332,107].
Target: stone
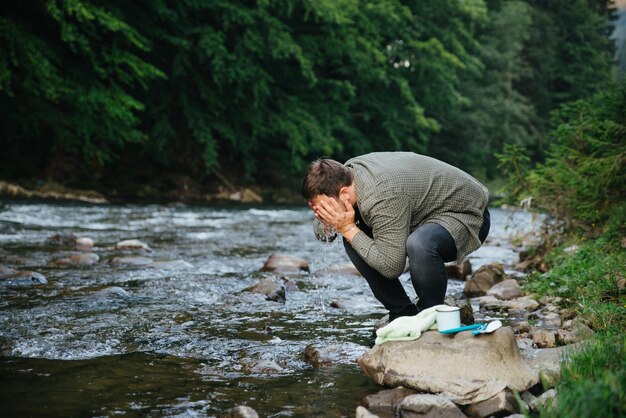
[86,259]
[552,320]
[282,263]
[459,271]
[490,303]
[388,398]
[364,413]
[240,411]
[506,289]
[523,303]
[483,279]
[338,269]
[273,288]
[425,405]
[132,245]
[113,292]
[465,368]
[542,338]
[545,400]
[501,404]
[62,240]
[84,244]
[521,326]
[22,278]
[333,354]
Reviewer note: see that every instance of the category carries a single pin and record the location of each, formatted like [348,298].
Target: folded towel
[406,328]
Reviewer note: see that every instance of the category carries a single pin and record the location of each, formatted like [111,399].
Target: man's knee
[420,246]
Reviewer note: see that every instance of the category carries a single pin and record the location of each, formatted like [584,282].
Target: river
[117,340]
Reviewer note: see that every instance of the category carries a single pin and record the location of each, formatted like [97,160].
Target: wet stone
[133,261]
[132,245]
[333,354]
[429,406]
[483,279]
[86,259]
[239,411]
[506,289]
[62,240]
[23,278]
[285,264]
[500,405]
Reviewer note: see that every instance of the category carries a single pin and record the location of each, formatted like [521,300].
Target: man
[390,205]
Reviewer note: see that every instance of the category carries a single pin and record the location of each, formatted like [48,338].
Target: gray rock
[333,354]
[523,303]
[388,399]
[483,279]
[273,288]
[132,245]
[23,278]
[338,269]
[84,244]
[459,271]
[501,404]
[364,413]
[542,338]
[86,259]
[282,263]
[465,368]
[429,406]
[240,411]
[506,289]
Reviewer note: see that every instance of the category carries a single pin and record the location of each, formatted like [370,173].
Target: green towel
[408,328]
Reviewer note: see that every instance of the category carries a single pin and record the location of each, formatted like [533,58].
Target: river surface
[184,341]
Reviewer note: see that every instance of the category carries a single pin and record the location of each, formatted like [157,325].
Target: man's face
[317,199]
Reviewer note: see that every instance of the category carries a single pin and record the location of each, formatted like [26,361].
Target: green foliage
[584,176]
[593,382]
[261,88]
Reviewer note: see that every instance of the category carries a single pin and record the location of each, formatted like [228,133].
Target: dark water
[118,340]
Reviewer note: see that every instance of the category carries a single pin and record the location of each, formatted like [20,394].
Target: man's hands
[336,214]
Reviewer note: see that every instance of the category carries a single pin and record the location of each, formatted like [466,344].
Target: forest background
[135,99]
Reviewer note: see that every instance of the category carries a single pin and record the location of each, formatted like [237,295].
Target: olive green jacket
[397,192]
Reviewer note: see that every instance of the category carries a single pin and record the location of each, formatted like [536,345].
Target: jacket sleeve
[390,220]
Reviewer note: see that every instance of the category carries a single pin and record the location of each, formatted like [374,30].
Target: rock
[506,289]
[386,401]
[263,367]
[13,278]
[273,288]
[546,400]
[459,271]
[484,278]
[490,303]
[542,338]
[547,361]
[521,326]
[552,320]
[62,240]
[132,245]
[133,261]
[333,354]
[338,269]
[429,406]
[240,411]
[465,368]
[84,244]
[501,404]
[524,303]
[282,263]
[113,292]
[364,413]
[86,259]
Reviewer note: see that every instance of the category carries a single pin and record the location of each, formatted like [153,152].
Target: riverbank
[588,276]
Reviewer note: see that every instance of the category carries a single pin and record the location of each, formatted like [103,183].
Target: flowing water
[183,340]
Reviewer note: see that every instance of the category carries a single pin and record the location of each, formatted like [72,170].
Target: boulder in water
[459,271]
[506,289]
[84,244]
[132,245]
[62,240]
[86,259]
[13,278]
[464,367]
[273,288]
[484,278]
[333,354]
[240,411]
[282,263]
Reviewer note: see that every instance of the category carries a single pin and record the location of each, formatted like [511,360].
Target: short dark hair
[325,176]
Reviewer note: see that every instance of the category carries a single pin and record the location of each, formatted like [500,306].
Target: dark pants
[428,248]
